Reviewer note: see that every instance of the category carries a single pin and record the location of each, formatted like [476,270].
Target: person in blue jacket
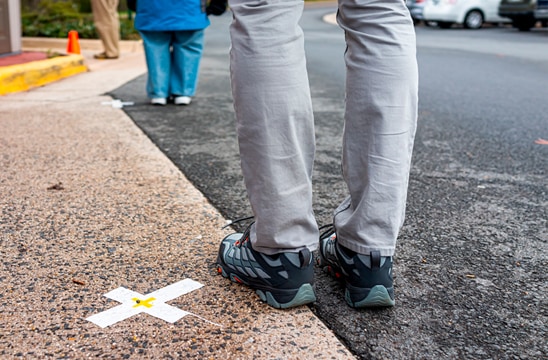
[173,39]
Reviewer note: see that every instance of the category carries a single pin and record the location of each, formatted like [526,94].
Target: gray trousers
[275,122]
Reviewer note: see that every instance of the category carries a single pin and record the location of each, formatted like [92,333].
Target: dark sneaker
[284,280]
[367,278]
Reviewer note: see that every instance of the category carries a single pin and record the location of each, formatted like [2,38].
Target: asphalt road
[472,256]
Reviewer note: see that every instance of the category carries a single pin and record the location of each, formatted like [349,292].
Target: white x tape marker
[153,304]
[117,103]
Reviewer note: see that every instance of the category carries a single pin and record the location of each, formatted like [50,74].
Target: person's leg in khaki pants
[105,16]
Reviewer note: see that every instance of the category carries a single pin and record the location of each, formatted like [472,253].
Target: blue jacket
[171,15]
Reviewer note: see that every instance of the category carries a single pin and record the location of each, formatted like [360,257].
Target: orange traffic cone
[73,46]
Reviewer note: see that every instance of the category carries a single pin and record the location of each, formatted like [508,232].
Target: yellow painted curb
[26,76]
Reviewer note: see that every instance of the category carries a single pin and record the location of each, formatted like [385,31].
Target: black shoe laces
[237,221]
[245,236]
[326,230]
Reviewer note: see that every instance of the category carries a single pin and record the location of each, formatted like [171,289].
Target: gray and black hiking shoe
[367,278]
[284,280]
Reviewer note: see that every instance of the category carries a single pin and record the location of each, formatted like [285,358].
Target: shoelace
[247,231]
[326,233]
[328,229]
[237,221]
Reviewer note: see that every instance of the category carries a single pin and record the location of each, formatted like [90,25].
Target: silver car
[415,8]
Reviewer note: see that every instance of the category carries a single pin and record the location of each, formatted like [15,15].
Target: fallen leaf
[58,186]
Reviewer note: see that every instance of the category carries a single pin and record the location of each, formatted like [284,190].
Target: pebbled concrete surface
[88,204]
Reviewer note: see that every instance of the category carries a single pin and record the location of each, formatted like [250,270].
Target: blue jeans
[173,60]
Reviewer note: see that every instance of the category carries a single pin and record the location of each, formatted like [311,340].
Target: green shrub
[127,31]
[84,6]
[50,18]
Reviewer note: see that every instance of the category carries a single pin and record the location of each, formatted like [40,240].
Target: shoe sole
[301,296]
[377,296]
[158,102]
[105,57]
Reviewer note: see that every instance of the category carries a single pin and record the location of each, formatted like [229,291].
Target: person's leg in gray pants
[380,121]
[276,127]
[275,122]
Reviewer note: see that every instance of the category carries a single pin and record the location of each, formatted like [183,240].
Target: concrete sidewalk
[89,204]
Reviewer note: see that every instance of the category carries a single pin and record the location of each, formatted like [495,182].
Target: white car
[472,14]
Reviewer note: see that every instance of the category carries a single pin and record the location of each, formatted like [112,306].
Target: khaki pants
[105,16]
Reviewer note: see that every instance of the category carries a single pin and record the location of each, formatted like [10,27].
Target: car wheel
[524,24]
[473,20]
[444,24]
